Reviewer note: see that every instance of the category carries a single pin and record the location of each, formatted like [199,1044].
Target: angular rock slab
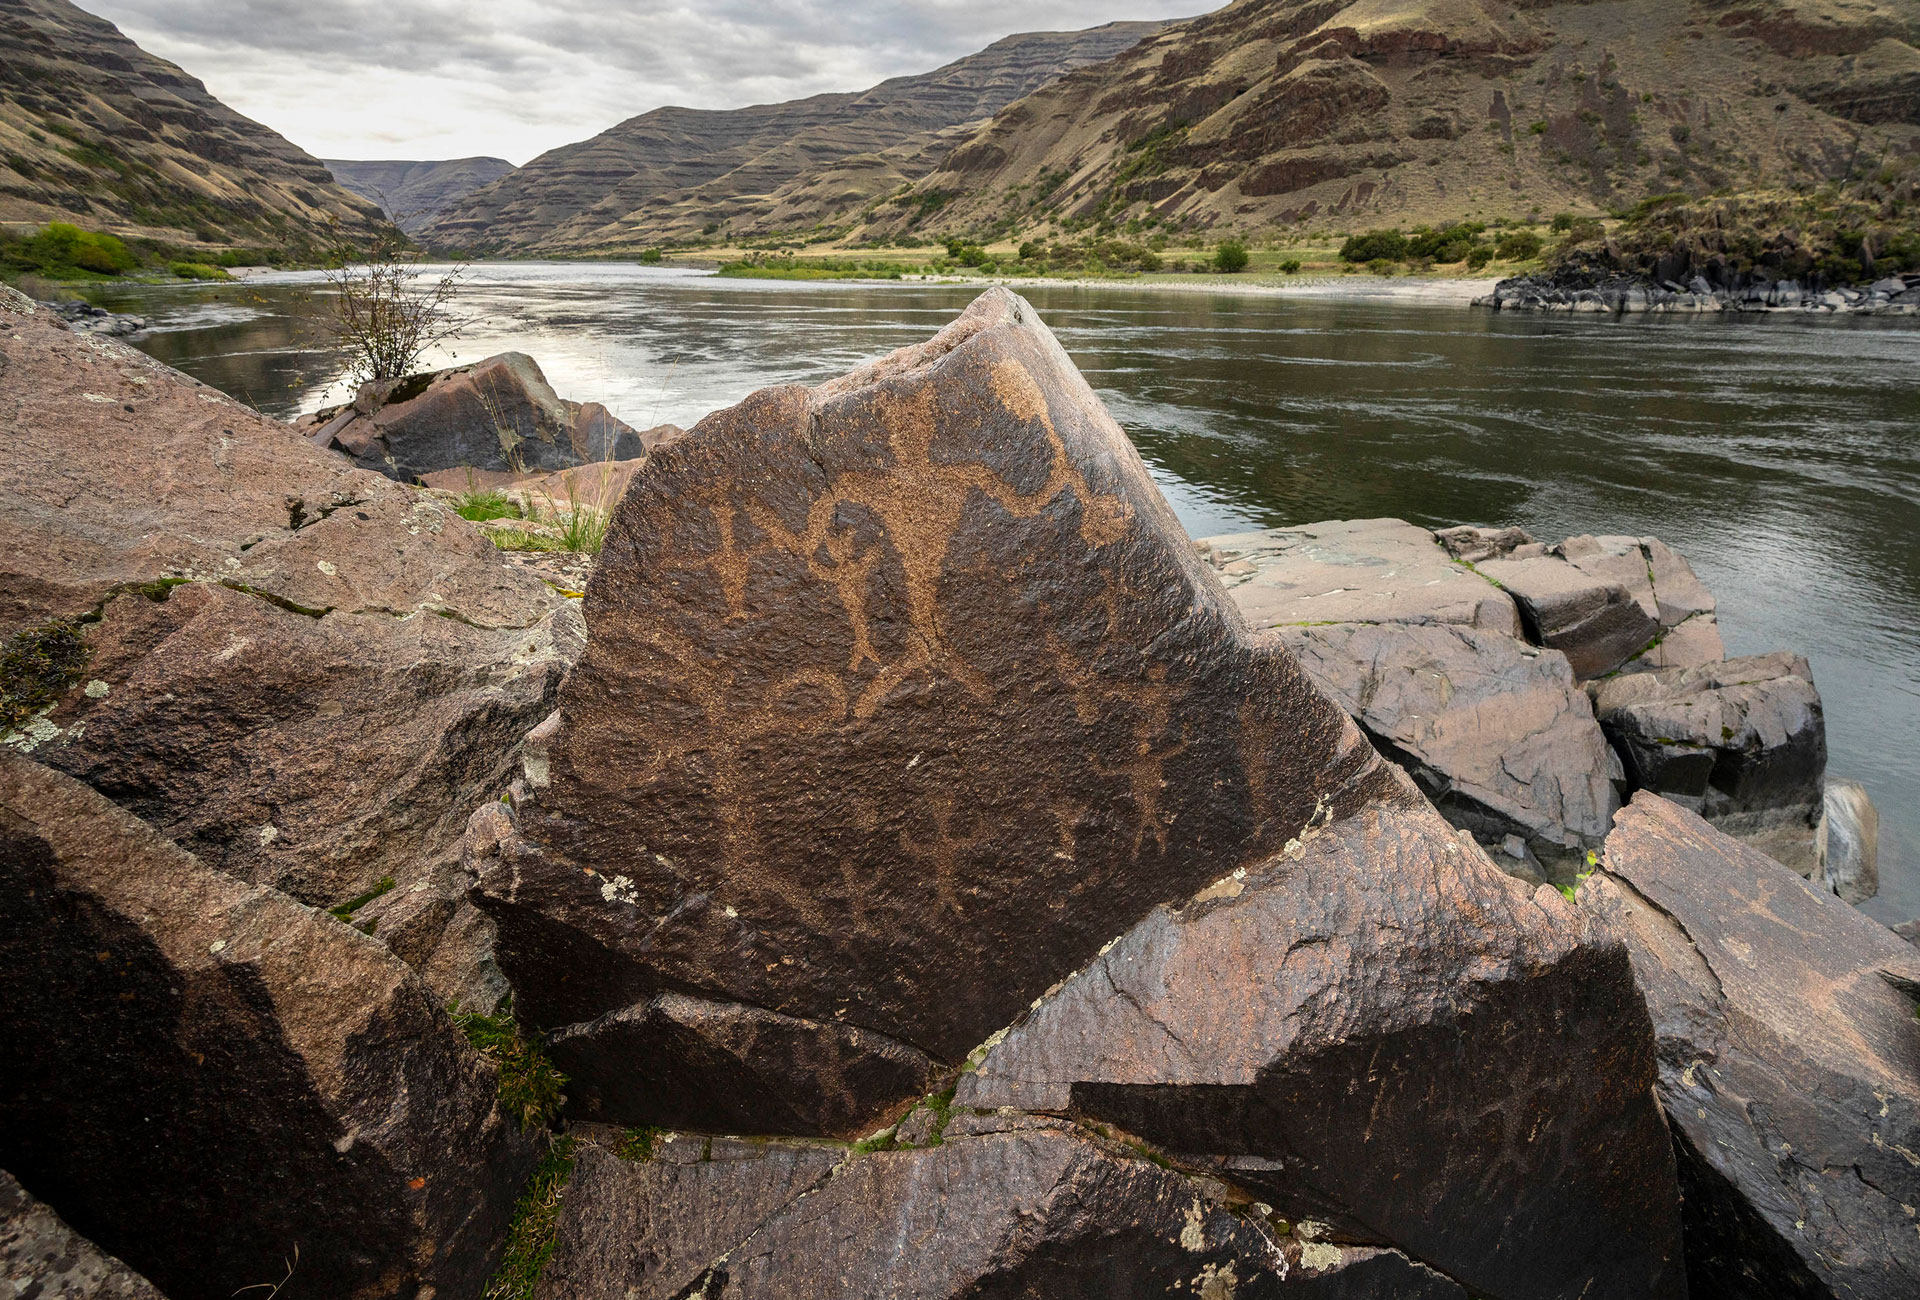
[1595,621]
[1665,587]
[1742,742]
[1354,571]
[901,696]
[1789,1062]
[1847,843]
[1494,731]
[1380,1031]
[305,673]
[41,1258]
[1040,1213]
[204,1074]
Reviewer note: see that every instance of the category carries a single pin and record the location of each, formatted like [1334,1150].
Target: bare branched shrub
[388,310]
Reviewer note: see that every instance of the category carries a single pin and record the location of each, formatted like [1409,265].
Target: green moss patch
[530,1235]
[530,1088]
[37,666]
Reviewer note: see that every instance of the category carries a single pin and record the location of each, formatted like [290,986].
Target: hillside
[95,130]
[414,193]
[674,172]
[1384,111]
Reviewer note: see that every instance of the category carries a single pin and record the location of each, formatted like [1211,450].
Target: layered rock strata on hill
[304,673]
[94,129]
[905,698]
[214,1082]
[1789,1062]
[414,193]
[497,416]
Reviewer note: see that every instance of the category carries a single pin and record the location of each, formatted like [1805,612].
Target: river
[1780,455]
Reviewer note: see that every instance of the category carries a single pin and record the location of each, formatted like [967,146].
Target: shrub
[1374,246]
[1230,257]
[1032,251]
[1291,266]
[197,271]
[1518,246]
[1479,257]
[386,314]
[1562,222]
[1380,266]
[651,257]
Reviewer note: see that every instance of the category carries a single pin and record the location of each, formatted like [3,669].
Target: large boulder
[498,415]
[1332,1028]
[213,1082]
[989,1211]
[1789,1062]
[901,696]
[1354,571]
[904,699]
[1494,731]
[1741,741]
[41,1258]
[305,673]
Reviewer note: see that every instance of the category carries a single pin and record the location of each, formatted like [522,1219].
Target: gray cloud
[441,78]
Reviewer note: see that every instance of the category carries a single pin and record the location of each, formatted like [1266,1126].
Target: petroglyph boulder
[901,696]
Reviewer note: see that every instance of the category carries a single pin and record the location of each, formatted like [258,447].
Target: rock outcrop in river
[917,780]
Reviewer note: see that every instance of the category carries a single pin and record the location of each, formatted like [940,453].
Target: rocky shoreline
[914,869]
[1583,291]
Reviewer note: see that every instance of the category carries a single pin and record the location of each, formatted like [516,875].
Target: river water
[1781,456]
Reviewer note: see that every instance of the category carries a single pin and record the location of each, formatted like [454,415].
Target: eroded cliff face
[94,129]
[1395,110]
[672,171]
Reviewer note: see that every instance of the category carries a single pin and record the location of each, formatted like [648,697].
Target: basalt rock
[1595,621]
[1665,587]
[1494,731]
[1470,545]
[499,414]
[1355,571]
[1742,742]
[1031,1212]
[1351,1028]
[41,1258]
[206,1077]
[901,696]
[1789,1062]
[304,673]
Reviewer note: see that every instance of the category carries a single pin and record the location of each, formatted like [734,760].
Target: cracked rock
[1789,1062]
[1351,1029]
[1050,1214]
[1595,621]
[1494,731]
[309,675]
[901,696]
[1742,742]
[1354,571]
[205,1075]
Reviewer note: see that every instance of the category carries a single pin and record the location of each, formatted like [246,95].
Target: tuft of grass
[583,529]
[530,1088]
[37,666]
[478,507]
[531,1233]
[636,1144]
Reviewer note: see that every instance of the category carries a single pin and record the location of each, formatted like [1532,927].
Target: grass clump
[636,1144]
[345,911]
[531,1234]
[530,1087]
[477,506]
[37,666]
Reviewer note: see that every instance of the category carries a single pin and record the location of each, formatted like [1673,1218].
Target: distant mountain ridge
[414,193]
[675,171]
[95,130]
[1383,111]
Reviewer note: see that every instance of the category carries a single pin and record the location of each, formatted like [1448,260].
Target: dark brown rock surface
[41,1258]
[205,1076]
[1494,731]
[901,696]
[1595,621]
[496,415]
[1045,1214]
[305,673]
[1789,1062]
[1376,1029]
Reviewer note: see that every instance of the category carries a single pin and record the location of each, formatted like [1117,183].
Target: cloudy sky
[451,78]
